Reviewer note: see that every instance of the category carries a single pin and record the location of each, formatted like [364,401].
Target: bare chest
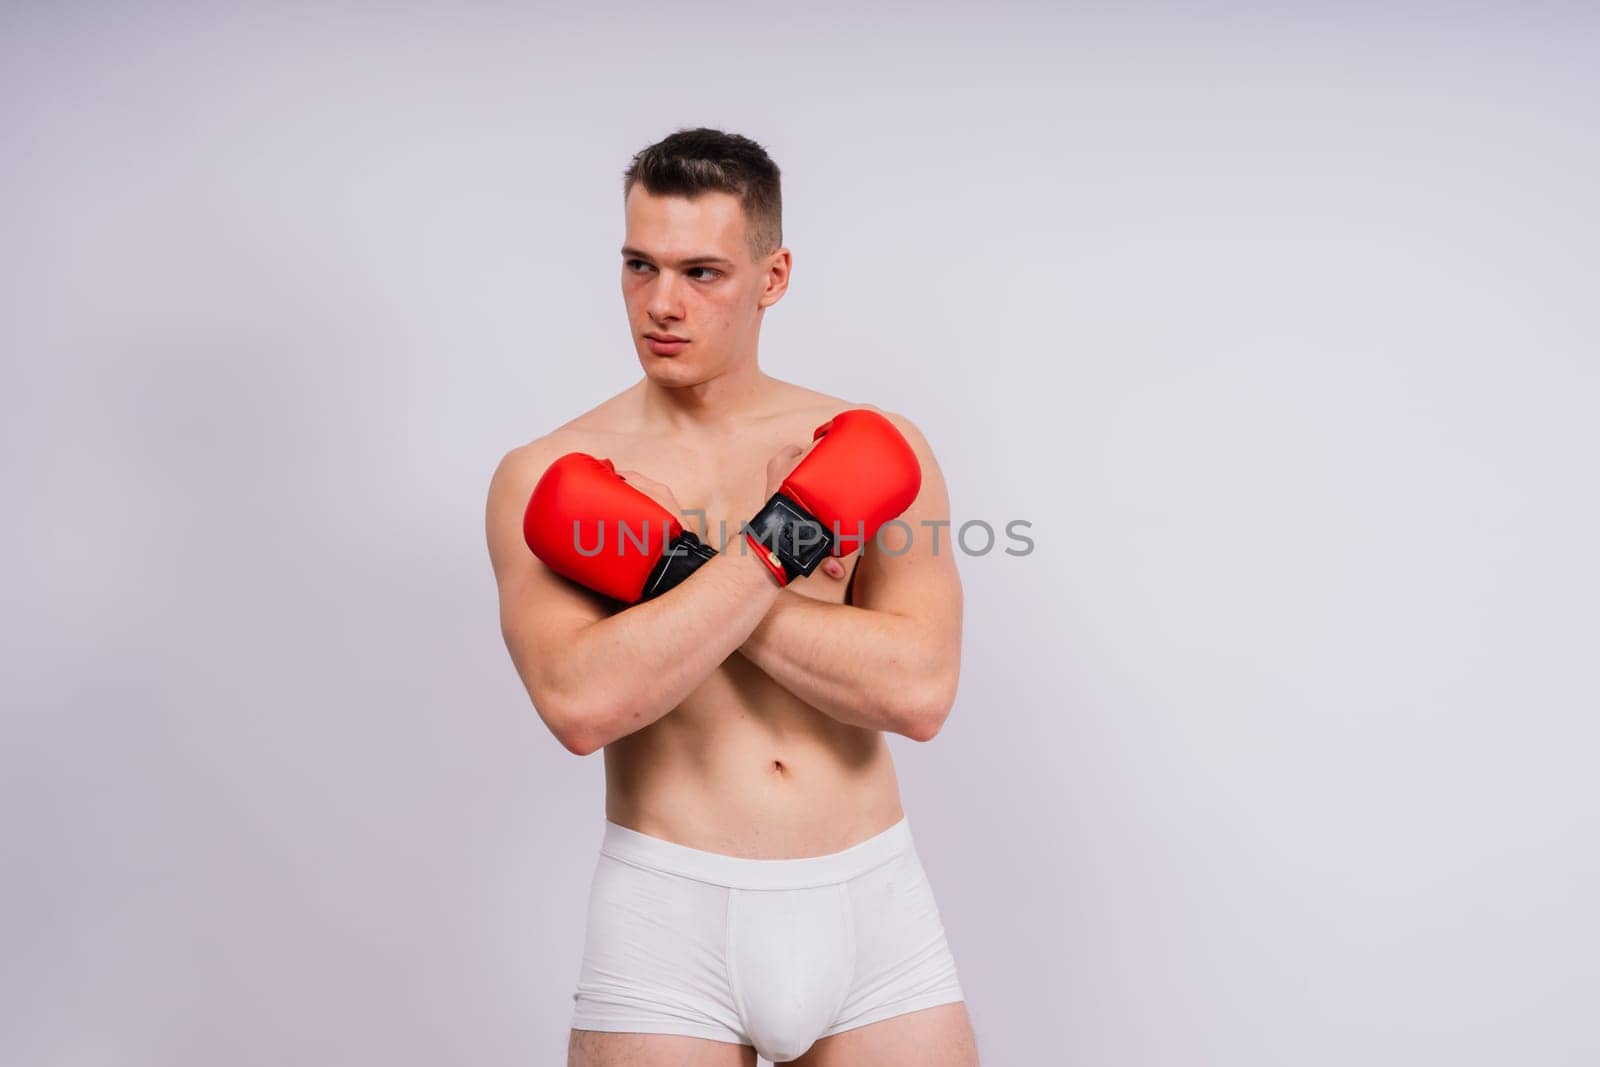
[717,487]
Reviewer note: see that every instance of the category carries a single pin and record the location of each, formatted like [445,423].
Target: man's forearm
[629,669]
[866,668]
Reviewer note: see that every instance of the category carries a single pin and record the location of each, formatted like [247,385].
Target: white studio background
[1278,323]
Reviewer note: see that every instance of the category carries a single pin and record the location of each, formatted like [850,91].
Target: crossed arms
[889,661]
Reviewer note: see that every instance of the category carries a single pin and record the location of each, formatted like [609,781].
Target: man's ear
[778,267]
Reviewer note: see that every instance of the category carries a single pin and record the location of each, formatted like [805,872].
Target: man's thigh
[592,1048]
[933,1037]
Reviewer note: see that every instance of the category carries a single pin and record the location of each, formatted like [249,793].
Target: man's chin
[673,371]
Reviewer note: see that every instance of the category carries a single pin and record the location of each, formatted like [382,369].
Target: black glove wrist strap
[793,534]
[684,555]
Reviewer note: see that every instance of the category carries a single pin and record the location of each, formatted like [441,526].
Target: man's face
[694,294]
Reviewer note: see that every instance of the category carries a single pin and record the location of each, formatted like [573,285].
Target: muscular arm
[890,661]
[594,676]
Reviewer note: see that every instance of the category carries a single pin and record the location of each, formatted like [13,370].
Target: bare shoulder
[520,468]
[913,433]
[799,401]
[615,415]
[909,429]
[518,471]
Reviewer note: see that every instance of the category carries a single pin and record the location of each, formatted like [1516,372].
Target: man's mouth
[665,344]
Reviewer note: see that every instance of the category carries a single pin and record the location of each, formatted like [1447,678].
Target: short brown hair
[691,162]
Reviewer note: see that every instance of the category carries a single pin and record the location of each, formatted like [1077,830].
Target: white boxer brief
[771,953]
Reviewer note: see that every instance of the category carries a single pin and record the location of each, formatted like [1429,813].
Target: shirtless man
[757,887]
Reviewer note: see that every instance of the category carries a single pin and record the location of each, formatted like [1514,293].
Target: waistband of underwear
[735,872]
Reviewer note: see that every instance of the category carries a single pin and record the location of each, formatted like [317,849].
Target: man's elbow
[928,708]
[588,719]
[574,723]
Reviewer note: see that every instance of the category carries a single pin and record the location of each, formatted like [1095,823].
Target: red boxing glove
[861,474]
[589,525]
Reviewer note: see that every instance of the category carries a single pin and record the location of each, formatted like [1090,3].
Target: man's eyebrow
[688,261]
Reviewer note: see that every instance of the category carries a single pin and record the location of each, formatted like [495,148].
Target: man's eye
[636,265]
[707,273]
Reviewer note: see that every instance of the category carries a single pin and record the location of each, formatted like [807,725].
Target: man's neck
[718,404]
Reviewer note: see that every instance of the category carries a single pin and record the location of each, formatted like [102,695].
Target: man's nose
[666,301]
